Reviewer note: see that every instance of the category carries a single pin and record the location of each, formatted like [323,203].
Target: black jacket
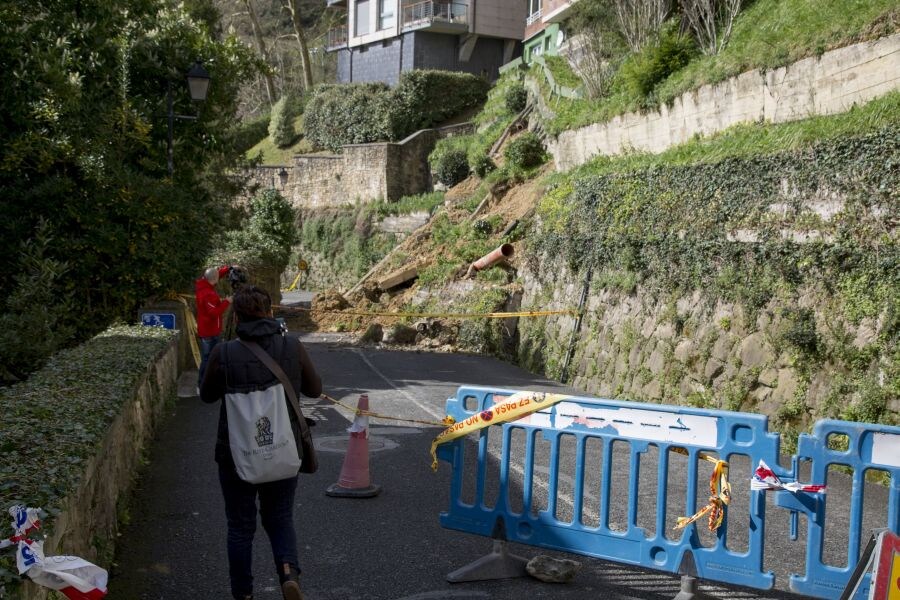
[234,368]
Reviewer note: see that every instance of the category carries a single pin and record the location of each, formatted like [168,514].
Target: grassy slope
[767,34]
[273,155]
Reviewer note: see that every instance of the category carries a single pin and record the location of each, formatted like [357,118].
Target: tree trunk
[263,51]
[294,7]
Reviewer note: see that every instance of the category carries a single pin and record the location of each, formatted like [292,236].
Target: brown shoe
[290,583]
[291,590]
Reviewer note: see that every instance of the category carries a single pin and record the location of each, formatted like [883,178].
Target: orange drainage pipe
[488,260]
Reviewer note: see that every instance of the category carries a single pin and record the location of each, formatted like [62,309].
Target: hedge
[54,422]
[358,113]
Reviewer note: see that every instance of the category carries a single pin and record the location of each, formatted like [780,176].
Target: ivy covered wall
[767,284]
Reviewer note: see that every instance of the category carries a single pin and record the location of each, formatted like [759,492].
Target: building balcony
[336,38]
[441,17]
[556,11]
[534,17]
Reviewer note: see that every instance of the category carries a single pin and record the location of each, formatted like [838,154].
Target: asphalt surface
[391,547]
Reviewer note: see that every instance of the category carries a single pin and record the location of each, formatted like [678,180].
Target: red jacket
[209,307]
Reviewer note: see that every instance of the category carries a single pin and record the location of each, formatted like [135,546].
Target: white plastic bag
[260,435]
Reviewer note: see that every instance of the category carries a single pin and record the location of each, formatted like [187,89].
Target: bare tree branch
[707,18]
[640,20]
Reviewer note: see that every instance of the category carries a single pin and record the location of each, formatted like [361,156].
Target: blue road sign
[165,320]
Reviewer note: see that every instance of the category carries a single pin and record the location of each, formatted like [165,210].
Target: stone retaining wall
[361,172]
[88,523]
[824,85]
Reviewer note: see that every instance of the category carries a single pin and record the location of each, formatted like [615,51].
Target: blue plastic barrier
[640,426]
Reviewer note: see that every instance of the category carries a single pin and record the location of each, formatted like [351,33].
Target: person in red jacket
[209,313]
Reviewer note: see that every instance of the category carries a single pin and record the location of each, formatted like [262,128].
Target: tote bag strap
[273,366]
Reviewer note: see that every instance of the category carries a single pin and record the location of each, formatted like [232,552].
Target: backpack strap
[273,366]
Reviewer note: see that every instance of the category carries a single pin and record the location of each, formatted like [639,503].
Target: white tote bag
[259,432]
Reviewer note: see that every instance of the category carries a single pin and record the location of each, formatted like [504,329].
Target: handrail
[429,12]
[535,16]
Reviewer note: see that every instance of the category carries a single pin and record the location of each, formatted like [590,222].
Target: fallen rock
[552,570]
[399,334]
[374,333]
[329,300]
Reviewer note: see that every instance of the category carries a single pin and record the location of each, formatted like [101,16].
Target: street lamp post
[198,85]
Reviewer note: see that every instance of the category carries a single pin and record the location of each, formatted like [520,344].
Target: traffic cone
[354,481]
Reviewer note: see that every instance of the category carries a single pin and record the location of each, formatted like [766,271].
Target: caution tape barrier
[424,315]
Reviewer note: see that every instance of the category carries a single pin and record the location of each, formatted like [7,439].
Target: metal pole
[577,328]
[171,119]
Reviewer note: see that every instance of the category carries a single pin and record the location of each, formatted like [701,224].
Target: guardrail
[555,88]
[583,513]
[535,16]
[425,13]
[337,38]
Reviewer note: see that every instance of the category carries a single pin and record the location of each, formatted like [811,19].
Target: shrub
[267,236]
[281,127]
[515,98]
[641,73]
[525,151]
[358,113]
[482,164]
[248,133]
[32,321]
[451,167]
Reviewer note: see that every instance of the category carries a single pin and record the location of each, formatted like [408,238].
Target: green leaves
[367,112]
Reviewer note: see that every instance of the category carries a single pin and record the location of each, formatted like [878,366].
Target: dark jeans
[206,346]
[276,508]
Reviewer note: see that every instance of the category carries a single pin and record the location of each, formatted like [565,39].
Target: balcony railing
[535,16]
[425,14]
[336,38]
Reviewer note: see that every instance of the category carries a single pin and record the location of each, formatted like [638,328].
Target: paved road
[387,548]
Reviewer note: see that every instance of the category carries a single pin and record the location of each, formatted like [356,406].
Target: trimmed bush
[358,113]
[59,416]
[451,167]
[425,98]
[351,113]
[516,98]
[482,165]
[281,127]
[525,151]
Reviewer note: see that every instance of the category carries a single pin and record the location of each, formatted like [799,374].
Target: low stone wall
[362,172]
[824,85]
[688,350]
[88,523]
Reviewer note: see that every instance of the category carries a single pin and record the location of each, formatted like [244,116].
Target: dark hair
[251,302]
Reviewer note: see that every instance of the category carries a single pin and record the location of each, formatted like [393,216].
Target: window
[385,14]
[534,6]
[362,17]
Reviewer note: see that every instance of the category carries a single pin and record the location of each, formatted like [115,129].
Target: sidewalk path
[386,548]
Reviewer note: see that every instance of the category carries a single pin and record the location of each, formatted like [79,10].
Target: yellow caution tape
[369,413]
[719,494]
[422,315]
[191,325]
[515,407]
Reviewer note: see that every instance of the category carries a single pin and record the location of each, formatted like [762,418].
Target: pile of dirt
[513,204]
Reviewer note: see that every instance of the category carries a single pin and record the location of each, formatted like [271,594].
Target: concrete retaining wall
[825,85]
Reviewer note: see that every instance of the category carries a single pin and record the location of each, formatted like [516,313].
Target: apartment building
[379,39]
[543,31]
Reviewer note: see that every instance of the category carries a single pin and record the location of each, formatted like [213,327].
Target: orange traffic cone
[354,481]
